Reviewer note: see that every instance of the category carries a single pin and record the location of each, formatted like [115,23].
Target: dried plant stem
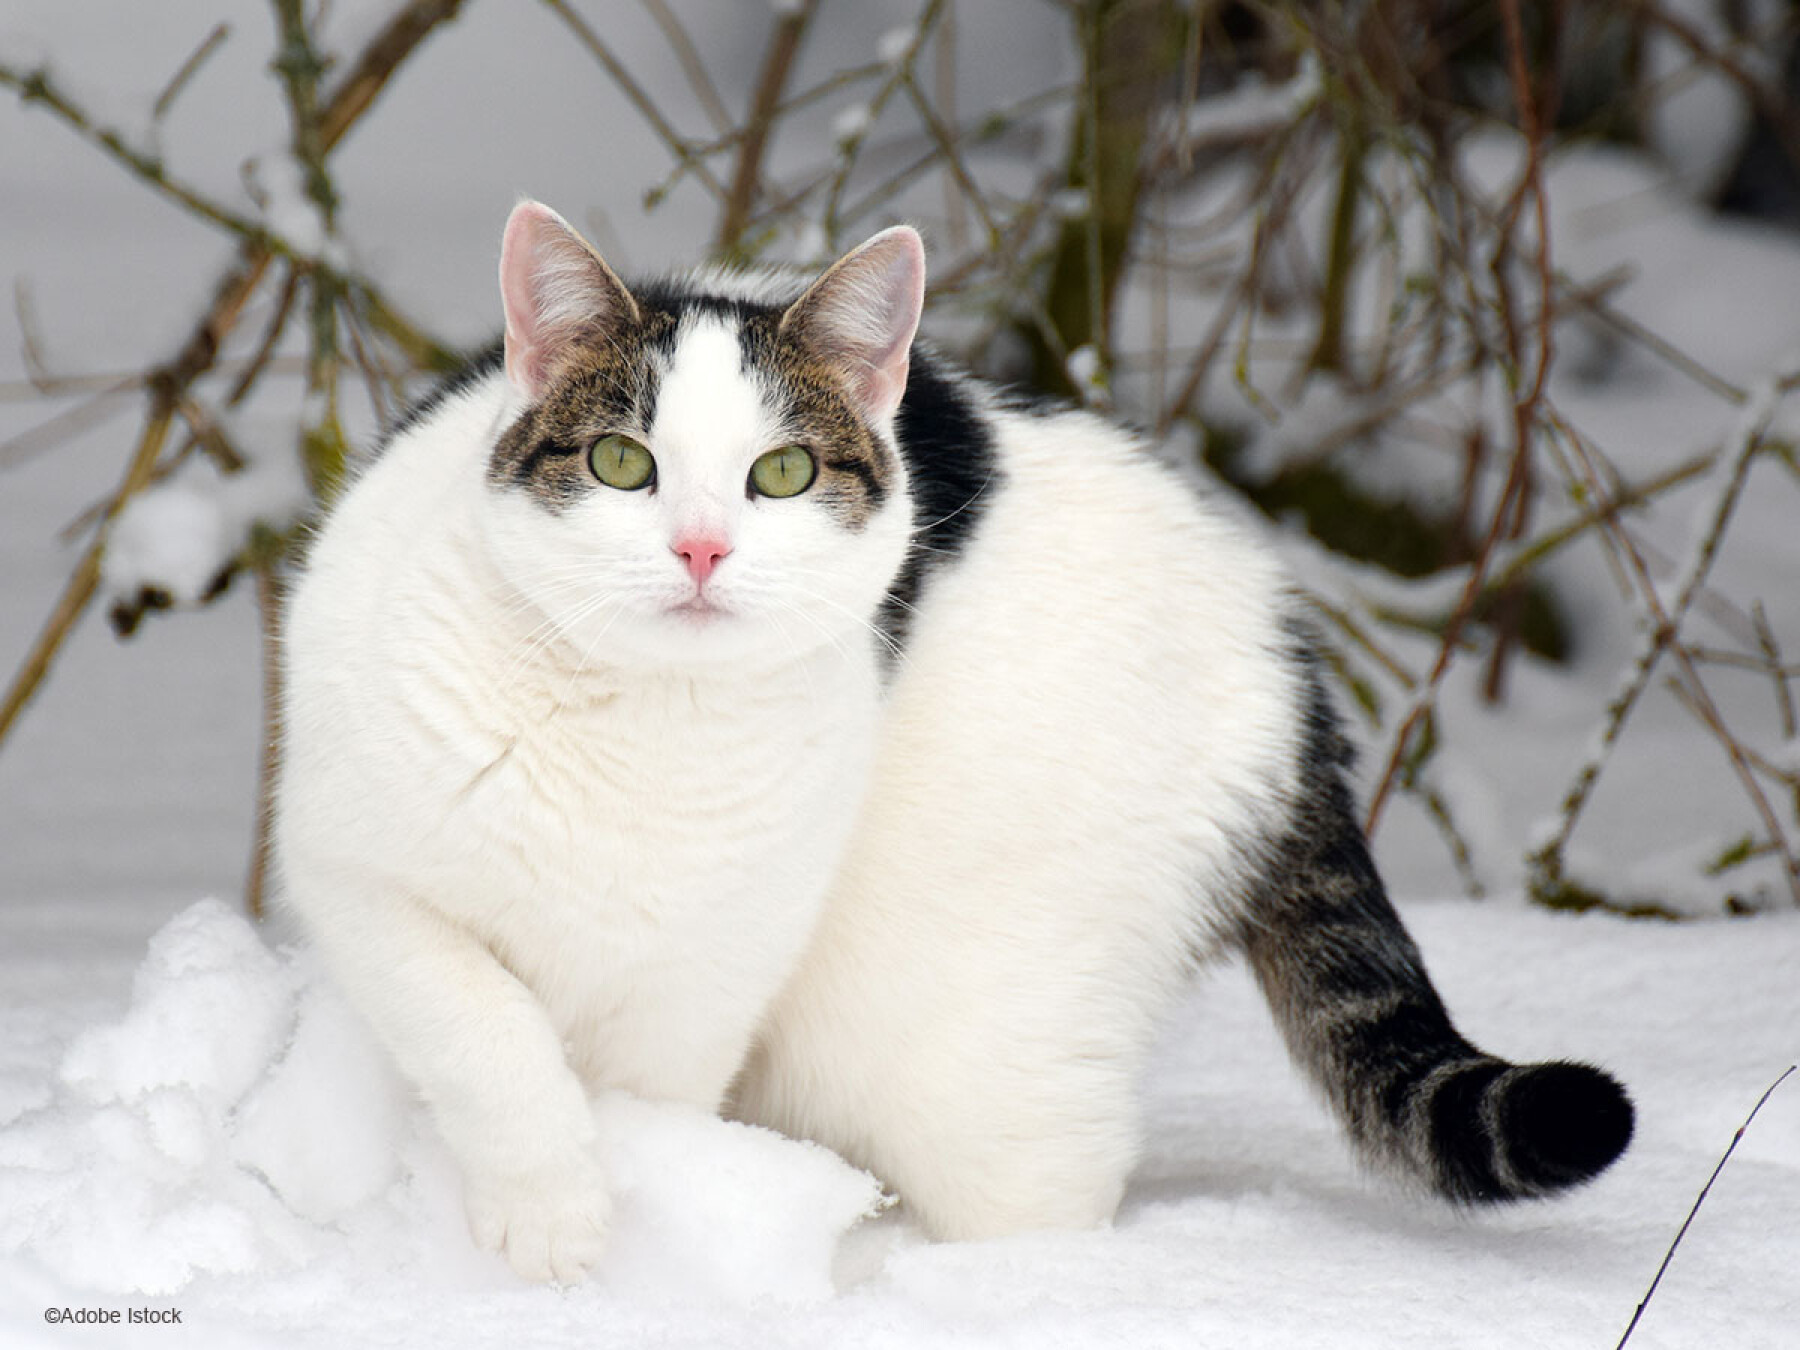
[352,96]
[1519,564]
[168,384]
[1511,512]
[1425,697]
[1662,635]
[1699,1200]
[79,590]
[676,144]
[771,82]
[270,593]
[187,70]
[901,71]
[699,80]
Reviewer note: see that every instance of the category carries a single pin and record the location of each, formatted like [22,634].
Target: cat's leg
[979,1057]
[482,1051]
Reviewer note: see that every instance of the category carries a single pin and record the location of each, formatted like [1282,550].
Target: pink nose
[701,553]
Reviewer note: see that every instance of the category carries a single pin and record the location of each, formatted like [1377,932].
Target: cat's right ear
[555,289]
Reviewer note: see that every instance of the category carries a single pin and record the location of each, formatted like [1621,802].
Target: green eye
[620,462]
[786,472]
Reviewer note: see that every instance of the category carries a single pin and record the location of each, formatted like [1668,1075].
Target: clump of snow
[894,44]
[750,1215]
[180,536]
[238,1120]
[1071,203]
[175,538]
[852,123]
[280,182]
[1088,375]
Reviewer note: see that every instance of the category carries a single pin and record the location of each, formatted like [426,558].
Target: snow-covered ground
[221,1140]
[190,1121]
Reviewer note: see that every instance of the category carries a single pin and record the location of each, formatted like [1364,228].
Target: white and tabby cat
[714,696]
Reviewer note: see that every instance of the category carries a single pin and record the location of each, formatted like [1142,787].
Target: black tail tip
[1562,1124]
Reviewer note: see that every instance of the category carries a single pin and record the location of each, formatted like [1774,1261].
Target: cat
[715,695]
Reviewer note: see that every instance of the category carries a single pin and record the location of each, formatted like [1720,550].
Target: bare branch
[771,81]
[677,145]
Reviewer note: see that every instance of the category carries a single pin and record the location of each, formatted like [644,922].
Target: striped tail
[1350,994]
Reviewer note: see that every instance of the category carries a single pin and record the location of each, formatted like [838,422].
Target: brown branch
[363,83]
[269,598]
[1509,602]
[1545,860]
[771,81]
[167,384]
[187,70]
[1766,96]
[635,93]
[79,590]
[1510,514]
[682,44]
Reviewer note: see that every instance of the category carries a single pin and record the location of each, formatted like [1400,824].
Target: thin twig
[187,70]
[362,84]
[1662,636]
[85,579]
[640,99]
[199,353]
[698,78]
[852,145]
[1698,1201]
[269,598]
[771,81]
[91,411]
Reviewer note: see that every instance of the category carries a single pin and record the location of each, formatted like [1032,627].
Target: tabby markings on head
[606,383]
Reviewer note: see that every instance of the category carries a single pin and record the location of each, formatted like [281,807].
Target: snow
[192,1120]
[237,1120]
[852,123]
[180,535]
[232,1145]
[895,45]
[291,214]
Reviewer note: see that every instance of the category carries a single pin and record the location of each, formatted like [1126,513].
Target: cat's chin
[699,612]
[697,636]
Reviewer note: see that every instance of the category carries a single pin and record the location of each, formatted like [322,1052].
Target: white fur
[550,836]
[1092,708]
[554,836]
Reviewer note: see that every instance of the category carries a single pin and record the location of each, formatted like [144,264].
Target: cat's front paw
[550,1225]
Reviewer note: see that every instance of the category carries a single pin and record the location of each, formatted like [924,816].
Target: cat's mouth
[699,609]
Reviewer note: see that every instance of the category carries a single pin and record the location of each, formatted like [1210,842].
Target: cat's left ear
[555,289]
[862,314]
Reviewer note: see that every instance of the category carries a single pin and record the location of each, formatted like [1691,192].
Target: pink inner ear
[863,314]
[553,288]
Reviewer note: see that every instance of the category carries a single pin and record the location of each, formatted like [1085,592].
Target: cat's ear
[862,314]
[555,289]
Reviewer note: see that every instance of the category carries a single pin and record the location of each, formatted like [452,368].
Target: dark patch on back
[952,470]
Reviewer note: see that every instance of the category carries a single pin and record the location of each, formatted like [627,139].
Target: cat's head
[695,476]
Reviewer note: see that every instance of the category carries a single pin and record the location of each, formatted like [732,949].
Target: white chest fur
[641,853]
